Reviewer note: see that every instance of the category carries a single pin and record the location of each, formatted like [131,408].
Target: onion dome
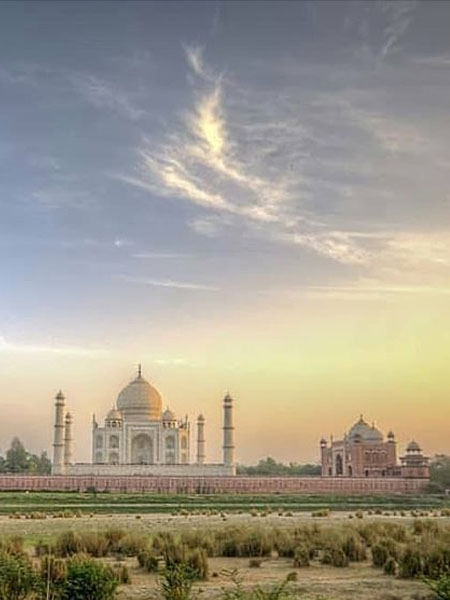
[60,396]
[362,431]
[323,442]
[168,415]
[140,401]
[390,436]
[228,399]
[200,418]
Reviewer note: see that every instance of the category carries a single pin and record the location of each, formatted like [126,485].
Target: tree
[270,466]
[18,460]
[440,472]
[16,457]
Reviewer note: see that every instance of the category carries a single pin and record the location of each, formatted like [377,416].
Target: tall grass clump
[17,577]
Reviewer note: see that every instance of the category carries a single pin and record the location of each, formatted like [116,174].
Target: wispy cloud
[102,94]
[171,283]
[400,15]
[159,255]
[15,347]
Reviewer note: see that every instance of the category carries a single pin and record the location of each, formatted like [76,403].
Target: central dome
[362,431]
[140,401]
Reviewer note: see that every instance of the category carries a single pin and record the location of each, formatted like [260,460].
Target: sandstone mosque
[139,438]
[363,452]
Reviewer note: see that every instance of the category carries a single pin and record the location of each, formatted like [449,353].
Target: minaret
[201,440]
[58,443]
[228,431]
[68,440]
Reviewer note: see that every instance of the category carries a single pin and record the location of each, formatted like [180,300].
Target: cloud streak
[14,347]
[171,283]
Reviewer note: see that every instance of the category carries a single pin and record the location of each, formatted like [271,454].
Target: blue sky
[210,171]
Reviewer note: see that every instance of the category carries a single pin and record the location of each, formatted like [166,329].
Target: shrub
[301,556]
[390,566]
[87,578]
[148,561]
[68,544]
[123,574]
[354,549]
[17,577]
[410,564]
[132,544]
[176,582]
[255,563]
[335,556]
[440,587]
[12,545]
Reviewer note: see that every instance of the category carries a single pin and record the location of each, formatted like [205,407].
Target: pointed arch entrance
[142,450]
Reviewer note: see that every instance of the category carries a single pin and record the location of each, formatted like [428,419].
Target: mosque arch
[142,450]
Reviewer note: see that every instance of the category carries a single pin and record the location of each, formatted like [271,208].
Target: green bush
[440,587]
[17,577]
[88,579]
[176,582]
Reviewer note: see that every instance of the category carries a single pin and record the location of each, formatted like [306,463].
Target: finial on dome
[139,370]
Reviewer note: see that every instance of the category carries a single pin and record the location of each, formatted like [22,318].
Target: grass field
[113,503]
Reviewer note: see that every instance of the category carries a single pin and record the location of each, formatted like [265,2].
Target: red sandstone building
[365,453]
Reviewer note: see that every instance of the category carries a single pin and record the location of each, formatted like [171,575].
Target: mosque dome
[363,432]
[140,401]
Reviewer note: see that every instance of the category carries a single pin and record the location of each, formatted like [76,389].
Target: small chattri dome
[200,417]
[413,447]
[323,442]
[364,432]
[114,415]
[168,415]
[391,435]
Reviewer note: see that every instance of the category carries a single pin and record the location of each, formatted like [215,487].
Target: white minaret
[228,431]
[68,440]
[201,440]
[58,443]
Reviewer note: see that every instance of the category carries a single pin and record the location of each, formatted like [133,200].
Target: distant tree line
[18,460]
[440,473]
[269,466]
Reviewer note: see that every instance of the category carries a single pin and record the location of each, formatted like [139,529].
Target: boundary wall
[213,485]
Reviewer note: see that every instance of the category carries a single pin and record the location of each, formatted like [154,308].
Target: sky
[249,197]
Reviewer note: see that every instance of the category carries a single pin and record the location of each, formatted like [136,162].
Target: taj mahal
[141,447]
[139,438]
